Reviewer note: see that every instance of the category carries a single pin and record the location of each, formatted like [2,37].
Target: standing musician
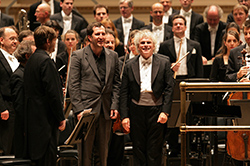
[236,70]
[145,99]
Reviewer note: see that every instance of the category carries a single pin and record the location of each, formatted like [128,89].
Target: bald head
[43,13]
[157,12]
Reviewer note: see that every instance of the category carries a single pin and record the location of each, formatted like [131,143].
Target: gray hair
[130,2]
[220,11]
[145,33]
[23,48]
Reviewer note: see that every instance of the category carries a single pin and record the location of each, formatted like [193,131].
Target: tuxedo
[146,134]
[31,14]
[78,23]
[87,89]
[6,126]
[168,34]
[195,20]
[194,60]
[43,103]
[6,20]
[234,63]
[136,24]
[17,94]
[202,35]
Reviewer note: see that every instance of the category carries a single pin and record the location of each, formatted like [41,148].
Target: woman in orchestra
[71,39]
[230,40]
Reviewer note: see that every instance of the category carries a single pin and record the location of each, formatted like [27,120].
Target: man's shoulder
[193,42]
[117,20]
[6,17]
[56,16]
[197,15]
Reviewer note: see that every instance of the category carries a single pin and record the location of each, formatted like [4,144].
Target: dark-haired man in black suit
[67,19]
[208,34]
[192,18]
[127,22]
[161,31]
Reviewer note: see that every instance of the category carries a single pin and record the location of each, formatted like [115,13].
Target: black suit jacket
[162,83]
[77,22]
[202,35]
[168,34]
[234,63]
[31,14]
[136,24]
[6,20]
[43,103]
[5,91]
[195,20]
[17,94]
[194,60]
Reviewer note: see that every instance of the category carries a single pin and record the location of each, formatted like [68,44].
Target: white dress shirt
[67,22]
[11,60]
[187,16]
[183,67]
[127,24]
[166,15]
[213,32]
[145,66]
[53,54]
[158,31]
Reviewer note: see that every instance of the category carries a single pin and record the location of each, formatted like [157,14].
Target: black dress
[218,71]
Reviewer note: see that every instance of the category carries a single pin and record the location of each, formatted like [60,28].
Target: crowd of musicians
[118,69]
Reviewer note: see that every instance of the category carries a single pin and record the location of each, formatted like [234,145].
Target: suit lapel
[90,58]
[60,21]
[189,49]
[73,22]
[172,49]
[155,68]
[135,70]
[5,63]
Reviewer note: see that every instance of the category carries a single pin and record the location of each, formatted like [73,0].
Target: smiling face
[110,41]
[146,47]
[157,13]
[247,35]
[9,41]
[97,39]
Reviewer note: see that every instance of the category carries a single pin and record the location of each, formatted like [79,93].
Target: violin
[238,142]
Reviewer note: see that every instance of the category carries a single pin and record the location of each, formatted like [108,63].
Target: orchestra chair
[12,161]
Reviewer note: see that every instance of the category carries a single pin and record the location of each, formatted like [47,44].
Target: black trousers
[146,134]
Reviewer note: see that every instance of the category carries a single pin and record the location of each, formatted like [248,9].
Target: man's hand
[175,69]
[5,115]
[126,124]
[163,118]
[113,114]
[62,125]
[204,60]
[243,71]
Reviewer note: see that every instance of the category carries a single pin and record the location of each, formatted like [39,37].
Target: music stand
[81,129]
[244,104]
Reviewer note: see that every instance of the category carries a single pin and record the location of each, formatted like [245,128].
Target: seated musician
[238,61]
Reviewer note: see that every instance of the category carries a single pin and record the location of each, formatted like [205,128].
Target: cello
[238,142]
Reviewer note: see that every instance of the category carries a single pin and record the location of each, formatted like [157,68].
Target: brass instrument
[23,22]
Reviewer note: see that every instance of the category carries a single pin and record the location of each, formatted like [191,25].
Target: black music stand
[81,130]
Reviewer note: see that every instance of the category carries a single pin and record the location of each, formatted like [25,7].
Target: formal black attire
[62,59]
[146,134]
[31,14]
[6,126]
[6,20]
[196,19]
[194,60]
[234,63]
[77,23]
[43,103]
[218,71]
[168,34]
[202,35]
[16,85]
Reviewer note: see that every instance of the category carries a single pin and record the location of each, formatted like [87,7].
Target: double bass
[238,142]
